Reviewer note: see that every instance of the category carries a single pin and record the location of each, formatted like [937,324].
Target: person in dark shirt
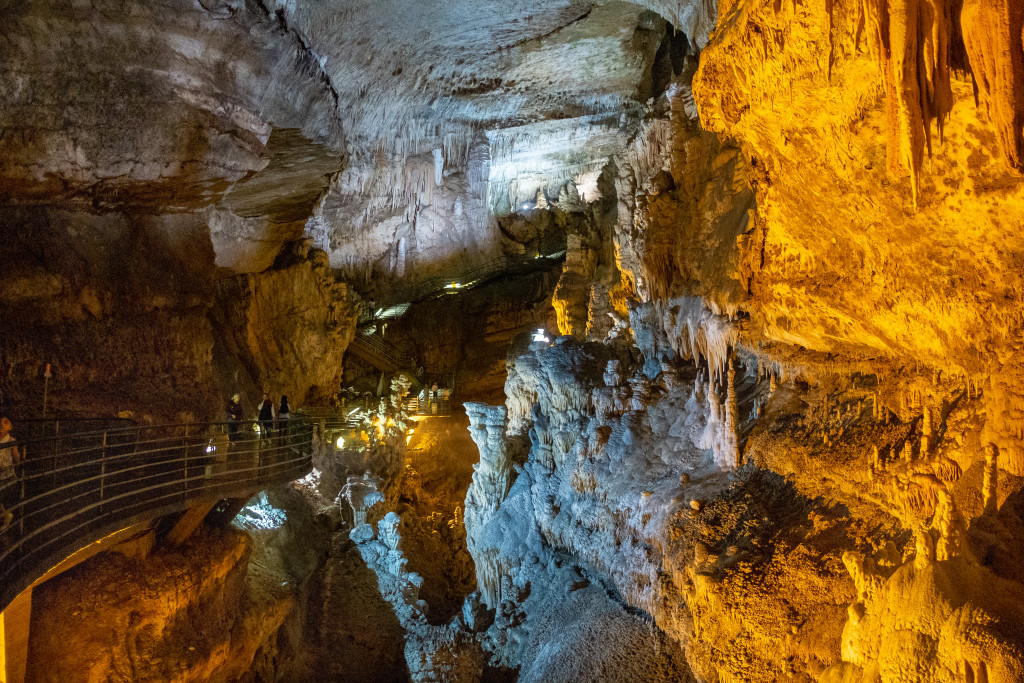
[266,416]
[234,417]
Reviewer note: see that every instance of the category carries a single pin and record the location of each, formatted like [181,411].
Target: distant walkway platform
[76,487]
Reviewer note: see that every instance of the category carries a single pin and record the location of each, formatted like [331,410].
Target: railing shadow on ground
[74,489]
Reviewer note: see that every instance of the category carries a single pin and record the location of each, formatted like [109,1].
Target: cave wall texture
[779,435]
[815,496]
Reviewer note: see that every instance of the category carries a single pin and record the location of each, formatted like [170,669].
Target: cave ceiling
[355,123]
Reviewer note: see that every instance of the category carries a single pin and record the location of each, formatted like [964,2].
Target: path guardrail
[74,489]
[378,351]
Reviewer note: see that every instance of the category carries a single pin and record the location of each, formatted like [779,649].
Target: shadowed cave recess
[667,340]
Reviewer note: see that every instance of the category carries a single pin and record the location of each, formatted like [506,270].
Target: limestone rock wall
[736,510]
[176,616]
[145,145]
[440,457]
[467,334]
[117,304]
[863,248]
[133,316]
[685,207]
[286,329]
[149,105]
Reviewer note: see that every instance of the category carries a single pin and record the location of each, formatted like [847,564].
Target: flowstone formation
[866,555]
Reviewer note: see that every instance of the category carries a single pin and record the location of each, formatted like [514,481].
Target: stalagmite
[926,431]
[541,200]
[925,548]
[732,416]
[641,391]
[908,451]
[989,484]
[950,526]
[772,383]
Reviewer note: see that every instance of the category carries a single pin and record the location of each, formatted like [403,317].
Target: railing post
[185,478]
[103,465]
[24,503]
[53,469]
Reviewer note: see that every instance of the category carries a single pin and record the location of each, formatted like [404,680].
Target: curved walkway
[75,489]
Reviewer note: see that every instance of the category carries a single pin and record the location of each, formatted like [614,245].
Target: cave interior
[576,340]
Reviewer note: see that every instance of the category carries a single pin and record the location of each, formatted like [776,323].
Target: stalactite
[911,39]
[904,44]
[992,35]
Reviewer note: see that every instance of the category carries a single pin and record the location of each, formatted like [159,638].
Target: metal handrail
[68,498]
[383,348]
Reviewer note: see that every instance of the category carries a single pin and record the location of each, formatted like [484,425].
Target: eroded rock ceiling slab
[343,112]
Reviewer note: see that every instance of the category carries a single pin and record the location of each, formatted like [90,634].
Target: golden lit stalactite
[937,31]
[903,37]
[911,40]
[993,32]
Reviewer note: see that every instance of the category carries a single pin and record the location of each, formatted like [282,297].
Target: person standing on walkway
[284,413]
[10,457]
[234,417]
[266,416]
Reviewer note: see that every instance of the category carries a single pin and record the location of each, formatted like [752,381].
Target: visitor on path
[283,412]
[234,417]
[266,416]
[10,456]
[283,415]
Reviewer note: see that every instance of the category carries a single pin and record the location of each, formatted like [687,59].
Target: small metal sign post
[46,386]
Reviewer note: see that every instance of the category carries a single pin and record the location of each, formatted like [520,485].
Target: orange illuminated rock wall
[888,204]
[183,615]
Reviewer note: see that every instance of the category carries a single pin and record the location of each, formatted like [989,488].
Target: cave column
[14,624]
